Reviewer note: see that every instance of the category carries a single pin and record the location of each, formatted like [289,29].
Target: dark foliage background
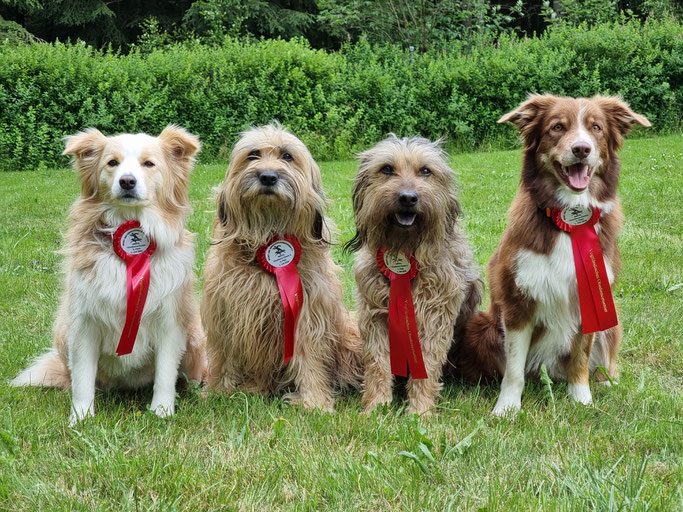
[337,102]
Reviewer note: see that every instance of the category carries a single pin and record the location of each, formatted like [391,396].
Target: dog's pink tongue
[578,176]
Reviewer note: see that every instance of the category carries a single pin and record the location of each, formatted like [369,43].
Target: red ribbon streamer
[137,283]
[289,284]
[595,295]
[404,343]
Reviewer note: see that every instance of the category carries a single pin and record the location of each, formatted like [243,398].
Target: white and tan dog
[123,178]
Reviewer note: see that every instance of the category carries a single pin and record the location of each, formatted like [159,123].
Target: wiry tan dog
[404,200]
[123,178]
[273,187]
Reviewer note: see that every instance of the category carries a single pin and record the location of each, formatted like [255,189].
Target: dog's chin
[575,177]
[129,200]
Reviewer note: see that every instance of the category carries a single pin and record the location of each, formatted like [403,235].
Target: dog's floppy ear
[318,229]
[221,210]
[528,111]
[619,114]
[182,146]
[360,185]
[86,148]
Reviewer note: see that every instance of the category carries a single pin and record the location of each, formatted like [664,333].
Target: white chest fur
[98,302]
[550,280]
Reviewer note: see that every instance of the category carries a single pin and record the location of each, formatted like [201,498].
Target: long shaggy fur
[93,305]
[447,289]
[242,310]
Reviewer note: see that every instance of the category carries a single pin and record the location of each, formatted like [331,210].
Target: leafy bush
[339,102]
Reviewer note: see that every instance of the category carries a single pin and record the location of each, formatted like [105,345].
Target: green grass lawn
[246,452]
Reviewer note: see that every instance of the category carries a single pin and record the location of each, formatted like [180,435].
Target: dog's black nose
[127,182]
[407,198]
[268,178]
[581,149]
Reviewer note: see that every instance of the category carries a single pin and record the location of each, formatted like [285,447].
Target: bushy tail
[479,354]
[49,370]
[349,357]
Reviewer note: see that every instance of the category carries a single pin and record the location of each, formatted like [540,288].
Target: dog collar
[134,247]
[404,343]
[280,256]
[595,296]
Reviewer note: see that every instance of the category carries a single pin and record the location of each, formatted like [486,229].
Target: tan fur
[447,287]
[548,125]
[242,310]
[87,239]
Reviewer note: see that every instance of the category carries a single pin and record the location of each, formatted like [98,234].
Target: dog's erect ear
[620,114]
[182,145]
[86,147]
[528,111]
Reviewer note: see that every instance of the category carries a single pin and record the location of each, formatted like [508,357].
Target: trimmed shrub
[338,103]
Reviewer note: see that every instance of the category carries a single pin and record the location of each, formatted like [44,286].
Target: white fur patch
[550,280]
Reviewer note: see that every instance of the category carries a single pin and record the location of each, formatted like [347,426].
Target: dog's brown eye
[148,163]
[387,169]
[113,163]
[596,128]
[558,127]
[425,172]
[254,155]
[287,157]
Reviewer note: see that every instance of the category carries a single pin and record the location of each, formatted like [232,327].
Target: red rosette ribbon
[280,256]
[134,247]
[595,295]
[404,343]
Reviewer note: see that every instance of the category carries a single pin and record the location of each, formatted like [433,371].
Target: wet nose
[407,198]
[127,182]
[268,178]
[581,149]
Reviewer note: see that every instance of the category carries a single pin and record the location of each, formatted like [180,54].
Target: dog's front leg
[84,354]
[516,348]
[167,357]
[312,378]
[577,369]
[422,393]
[378,384]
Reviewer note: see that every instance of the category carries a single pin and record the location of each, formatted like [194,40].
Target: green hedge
[337,103]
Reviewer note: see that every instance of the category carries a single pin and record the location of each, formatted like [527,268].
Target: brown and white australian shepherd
[126,178]
[570,160]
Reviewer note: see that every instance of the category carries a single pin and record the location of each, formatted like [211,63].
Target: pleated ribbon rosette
[135,248]
[280,256]
[595,295]
[404,343]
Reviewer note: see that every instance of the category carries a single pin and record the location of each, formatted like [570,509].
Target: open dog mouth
[405,219]
[576,176]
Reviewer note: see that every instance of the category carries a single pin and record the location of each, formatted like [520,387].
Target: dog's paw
[308,402]
[507,406]
[581,393]
[80,412]
[163,410]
